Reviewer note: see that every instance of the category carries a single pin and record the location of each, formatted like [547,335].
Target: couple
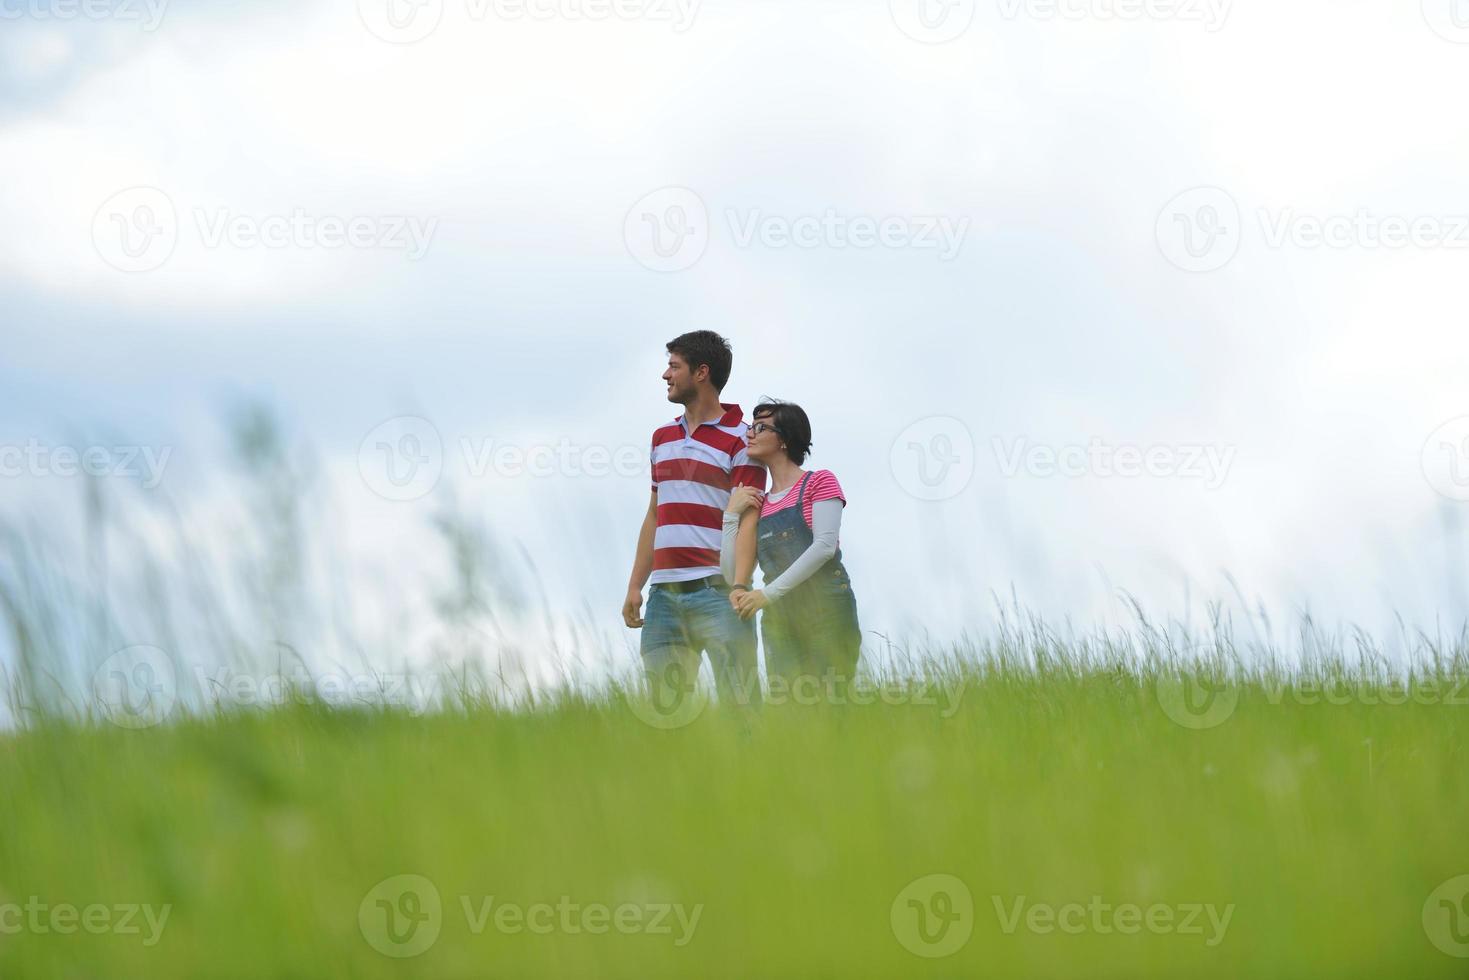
[710,520]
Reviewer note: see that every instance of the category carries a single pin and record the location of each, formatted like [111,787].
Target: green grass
[1323,829]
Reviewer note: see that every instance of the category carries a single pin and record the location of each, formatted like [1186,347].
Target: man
[697,459]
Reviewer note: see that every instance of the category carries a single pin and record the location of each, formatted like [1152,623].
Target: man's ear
[701,373]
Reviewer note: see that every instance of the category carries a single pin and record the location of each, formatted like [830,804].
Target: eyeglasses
[760,427]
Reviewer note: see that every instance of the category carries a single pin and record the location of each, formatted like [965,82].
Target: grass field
[1084,818]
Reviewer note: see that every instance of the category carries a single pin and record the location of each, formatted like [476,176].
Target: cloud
[1059,320]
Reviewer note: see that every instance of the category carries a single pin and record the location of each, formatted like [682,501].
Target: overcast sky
[1080,298]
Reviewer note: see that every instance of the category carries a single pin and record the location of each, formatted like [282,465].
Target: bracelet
[740,585]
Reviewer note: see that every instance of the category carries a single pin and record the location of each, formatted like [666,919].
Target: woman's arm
[728,545]
[737,547]
[826,523]
[745,548]
[737,543]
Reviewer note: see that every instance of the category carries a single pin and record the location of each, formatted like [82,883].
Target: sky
[1085,299]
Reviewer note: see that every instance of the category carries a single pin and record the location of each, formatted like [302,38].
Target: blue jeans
[679,626]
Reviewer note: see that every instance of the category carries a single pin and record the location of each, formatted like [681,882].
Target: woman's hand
[742,499]
[748,604]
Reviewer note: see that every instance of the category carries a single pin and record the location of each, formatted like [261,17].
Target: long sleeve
[727,547]
[826,524]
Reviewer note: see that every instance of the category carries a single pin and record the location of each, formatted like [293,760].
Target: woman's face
[762,442]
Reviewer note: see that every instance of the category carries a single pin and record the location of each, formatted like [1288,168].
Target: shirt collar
[733,416]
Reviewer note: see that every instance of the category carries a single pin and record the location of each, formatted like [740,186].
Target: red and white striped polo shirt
[693,474]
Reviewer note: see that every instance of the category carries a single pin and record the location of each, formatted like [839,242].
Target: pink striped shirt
[821,485]
[693,474]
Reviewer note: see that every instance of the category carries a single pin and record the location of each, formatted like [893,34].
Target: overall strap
[801,498]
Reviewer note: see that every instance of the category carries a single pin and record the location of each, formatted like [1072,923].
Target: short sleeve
[824,486]
[653,461]
[743,473]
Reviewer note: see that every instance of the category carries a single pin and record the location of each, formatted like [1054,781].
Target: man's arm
[737,552]
[743,473]
[642,567]
[744,563]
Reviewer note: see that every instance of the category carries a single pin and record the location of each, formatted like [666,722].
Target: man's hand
[642,566]
[743,498]
[749,603]
[734,597]
[632,609]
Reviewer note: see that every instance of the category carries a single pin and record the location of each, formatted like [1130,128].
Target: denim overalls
[813,628]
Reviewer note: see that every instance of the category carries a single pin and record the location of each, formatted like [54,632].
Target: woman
[810,623]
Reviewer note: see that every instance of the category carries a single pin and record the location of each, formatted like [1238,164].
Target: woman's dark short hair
[791,424]
[705,347]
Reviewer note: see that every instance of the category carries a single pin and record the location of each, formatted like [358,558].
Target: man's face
[680,381]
